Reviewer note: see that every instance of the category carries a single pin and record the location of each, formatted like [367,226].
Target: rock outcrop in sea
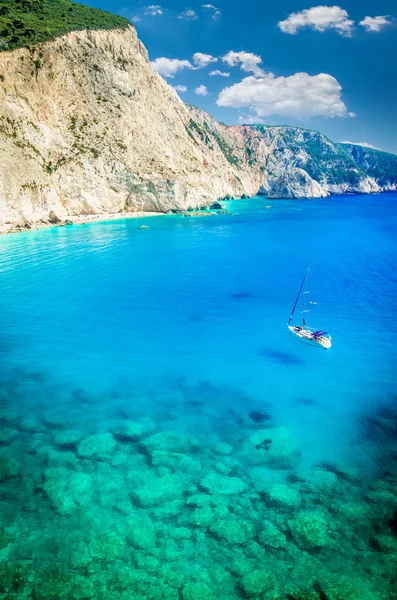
[88,127]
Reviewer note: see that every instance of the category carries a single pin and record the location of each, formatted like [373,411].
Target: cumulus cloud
[365,144]
[203,60]
[215,11]
[154,10]
[248,62]
[189,14]
[201,90]
[375,23]
[300,95]
[180,88]
[168,67]
[136,19]
[319,18]
[220,73]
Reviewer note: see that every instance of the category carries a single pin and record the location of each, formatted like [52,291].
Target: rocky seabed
[145,509]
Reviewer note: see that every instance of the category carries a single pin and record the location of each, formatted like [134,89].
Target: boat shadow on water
[281,357]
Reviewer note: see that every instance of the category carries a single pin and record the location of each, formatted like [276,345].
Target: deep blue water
[185,320]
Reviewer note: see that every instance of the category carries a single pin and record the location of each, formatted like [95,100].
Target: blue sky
[327,67]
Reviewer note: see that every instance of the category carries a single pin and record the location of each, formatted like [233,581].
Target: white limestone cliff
[88,127]
[296,183]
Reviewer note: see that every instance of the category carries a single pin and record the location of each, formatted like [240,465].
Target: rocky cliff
[88,127]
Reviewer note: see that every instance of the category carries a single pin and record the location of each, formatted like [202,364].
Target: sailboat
[309,335]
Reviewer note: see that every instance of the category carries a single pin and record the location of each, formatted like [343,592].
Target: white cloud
[203,60]
[248,62]
[365,144]
[319,18]
[168,67]
[136,19]
[300,95]
[215,11]
[188,14]
[375,23]
[201,90]
[220,73]
[249,120]
[154,10]
[180,88]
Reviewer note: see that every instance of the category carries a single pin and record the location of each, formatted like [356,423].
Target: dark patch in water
[264,445]
[244,296]
[195,318]
[258,416]
[306,401]
[393,524]
[79,395]
[36,376]
[279,356]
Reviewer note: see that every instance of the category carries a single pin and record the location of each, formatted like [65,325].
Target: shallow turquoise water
[184,322]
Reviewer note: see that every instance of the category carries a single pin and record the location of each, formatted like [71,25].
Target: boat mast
[304,296]
[297,298]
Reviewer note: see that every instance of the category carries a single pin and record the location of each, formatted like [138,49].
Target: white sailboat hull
[307,335]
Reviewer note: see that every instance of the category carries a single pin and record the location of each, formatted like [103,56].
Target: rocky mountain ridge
[88,127]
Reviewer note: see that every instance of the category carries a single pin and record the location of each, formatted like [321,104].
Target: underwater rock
[347,472]
[171,442]
[263,477]
[233,530]
[98,446]
[130,431]
[280,494]
[336,586]
[258,583]
[8,468]
[176,461]
[158,490]
[139,531]
[68,438]
[119,459]
[107,547]
[202,517]
[274,446]
[197,591]
[67,489]
[223,449]
[5,538]
[31,425]
[7,435]
[12,579]
[271,536]
[309,530]
[217,484]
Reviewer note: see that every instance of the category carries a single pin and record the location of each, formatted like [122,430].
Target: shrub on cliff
[28,22]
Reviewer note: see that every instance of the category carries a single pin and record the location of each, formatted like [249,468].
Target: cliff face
[296,183]
[87,127]
[381,166]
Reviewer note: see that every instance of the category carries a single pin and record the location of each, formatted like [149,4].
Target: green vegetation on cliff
[28,22]
[382,166]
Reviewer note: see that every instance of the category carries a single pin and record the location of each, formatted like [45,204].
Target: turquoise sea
[161,433]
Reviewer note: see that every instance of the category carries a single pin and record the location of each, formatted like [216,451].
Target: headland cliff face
[88,127]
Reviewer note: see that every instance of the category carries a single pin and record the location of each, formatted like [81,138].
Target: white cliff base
[296,183]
